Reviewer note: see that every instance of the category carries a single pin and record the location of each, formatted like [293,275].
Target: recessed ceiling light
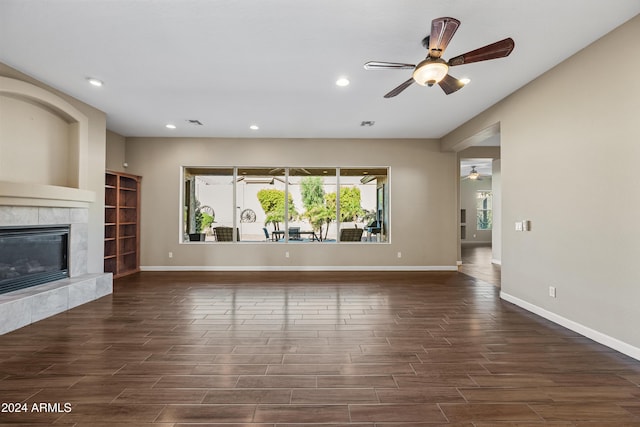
[95,82]
[254,127]
[342,81]
[465,80]
[170,126]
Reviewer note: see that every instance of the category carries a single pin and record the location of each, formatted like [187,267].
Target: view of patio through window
[285,204]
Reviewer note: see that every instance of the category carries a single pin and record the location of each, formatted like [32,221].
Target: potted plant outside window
[197,235]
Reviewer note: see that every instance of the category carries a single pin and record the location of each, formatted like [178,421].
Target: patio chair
[351,234]
[273,236]
[294,233]
[224,234]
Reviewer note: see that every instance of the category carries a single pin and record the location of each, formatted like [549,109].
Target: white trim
[296,268]
[496,261]
[597,336]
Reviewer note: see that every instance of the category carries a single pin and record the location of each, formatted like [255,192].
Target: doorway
[480,201]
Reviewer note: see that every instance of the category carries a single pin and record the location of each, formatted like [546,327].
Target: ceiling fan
[473,175]
[434,69]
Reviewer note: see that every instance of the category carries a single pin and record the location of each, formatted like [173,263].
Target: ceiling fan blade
[450,84]
[376,65]
[494,50]
[400,88]
[442,31]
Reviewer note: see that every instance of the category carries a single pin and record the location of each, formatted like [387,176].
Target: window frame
[484,197]
[381,191]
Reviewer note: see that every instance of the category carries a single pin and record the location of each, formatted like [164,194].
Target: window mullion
[338,221]
[234,224]
[286,205]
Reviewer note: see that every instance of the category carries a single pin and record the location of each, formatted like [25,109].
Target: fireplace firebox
[31,256]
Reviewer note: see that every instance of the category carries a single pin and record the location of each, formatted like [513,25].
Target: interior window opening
[311,205]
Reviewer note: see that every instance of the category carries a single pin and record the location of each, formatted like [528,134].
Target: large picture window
[285,205]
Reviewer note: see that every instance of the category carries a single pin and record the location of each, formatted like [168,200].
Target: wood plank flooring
[476,262]
[311,349]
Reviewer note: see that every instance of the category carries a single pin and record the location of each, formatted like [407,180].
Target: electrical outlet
[170,254]
[286,254]
[552,291]
[399,254]
[519,226]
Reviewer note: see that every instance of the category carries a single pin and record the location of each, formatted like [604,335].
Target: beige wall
[423,201]
[34,143]
[579,134]
[77,168]
[496,233]
[115,159]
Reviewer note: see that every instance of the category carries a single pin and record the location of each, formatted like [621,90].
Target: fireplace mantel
[29,194]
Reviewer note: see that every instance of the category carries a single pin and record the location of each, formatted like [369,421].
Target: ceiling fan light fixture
[430,71]
[473,174]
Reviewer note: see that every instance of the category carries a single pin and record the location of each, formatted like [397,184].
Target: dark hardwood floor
[292,349]
[476,262]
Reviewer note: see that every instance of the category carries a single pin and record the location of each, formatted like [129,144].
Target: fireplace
[31,256]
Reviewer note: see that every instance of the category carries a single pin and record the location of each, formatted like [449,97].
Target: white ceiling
[232,63]
[483,166]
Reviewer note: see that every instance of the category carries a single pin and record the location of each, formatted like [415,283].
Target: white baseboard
[599,337]
[298,268]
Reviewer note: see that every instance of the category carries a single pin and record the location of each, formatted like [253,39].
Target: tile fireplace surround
[25,306]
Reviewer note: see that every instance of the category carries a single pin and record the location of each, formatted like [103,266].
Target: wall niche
[43,138]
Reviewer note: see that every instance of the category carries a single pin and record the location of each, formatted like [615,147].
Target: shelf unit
[121,223]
